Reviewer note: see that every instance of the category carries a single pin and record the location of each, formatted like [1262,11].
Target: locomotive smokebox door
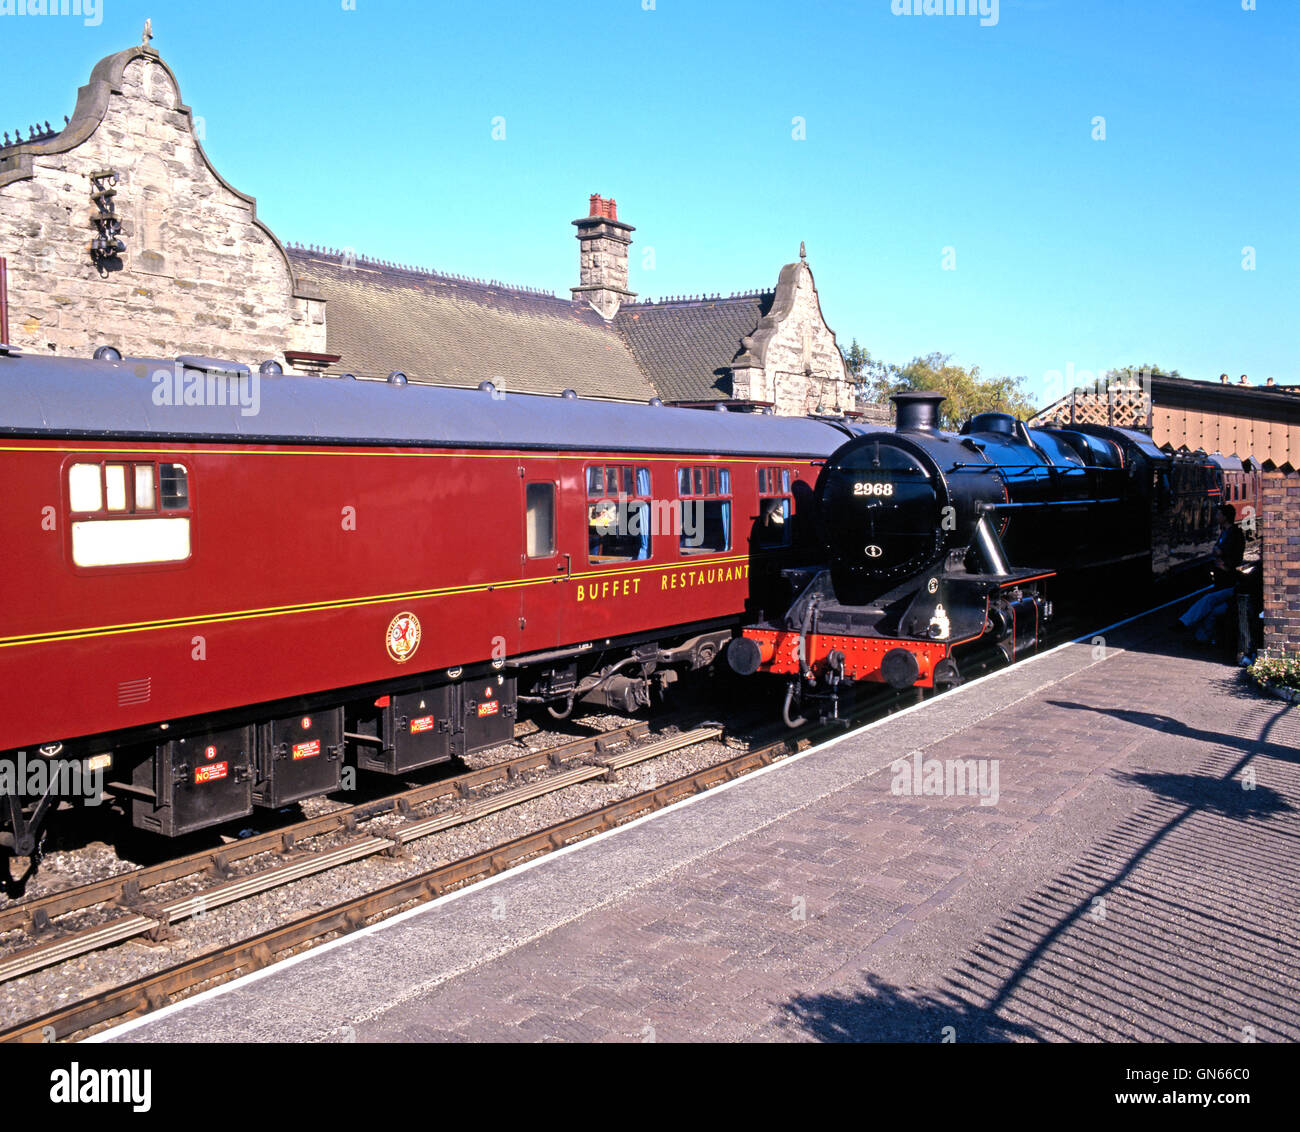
[489,711]
[196,782]
[405,732]
[298,756]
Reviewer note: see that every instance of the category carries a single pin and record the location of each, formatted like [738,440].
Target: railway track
[251,954]
[581,760]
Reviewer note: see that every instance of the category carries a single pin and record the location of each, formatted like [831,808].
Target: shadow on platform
[1177,924]
[883,1012]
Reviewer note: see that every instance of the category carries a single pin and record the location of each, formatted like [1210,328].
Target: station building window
[618,513]
[128,513]
[774,508]
[705,494]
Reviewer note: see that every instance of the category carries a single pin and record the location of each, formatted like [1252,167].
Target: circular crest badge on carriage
[403,637]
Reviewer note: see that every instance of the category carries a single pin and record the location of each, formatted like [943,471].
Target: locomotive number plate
[873,489]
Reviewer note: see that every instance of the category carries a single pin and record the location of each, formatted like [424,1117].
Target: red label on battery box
[424,723]
[210,773]
[306,750]
[489,708]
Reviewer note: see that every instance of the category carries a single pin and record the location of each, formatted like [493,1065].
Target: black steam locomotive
[933,543]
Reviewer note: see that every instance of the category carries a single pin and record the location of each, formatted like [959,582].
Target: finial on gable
[148,33]
[803,254]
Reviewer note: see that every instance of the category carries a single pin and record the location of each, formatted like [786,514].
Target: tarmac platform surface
[1136,879]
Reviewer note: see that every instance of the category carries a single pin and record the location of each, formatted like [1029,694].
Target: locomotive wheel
[946,676]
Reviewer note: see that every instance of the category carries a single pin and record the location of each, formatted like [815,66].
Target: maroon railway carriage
[1238,482]
[220,585]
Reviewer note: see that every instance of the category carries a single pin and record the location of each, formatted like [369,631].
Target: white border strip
[713,792]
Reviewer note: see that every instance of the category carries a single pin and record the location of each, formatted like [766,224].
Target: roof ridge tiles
[348,259]
[715,297]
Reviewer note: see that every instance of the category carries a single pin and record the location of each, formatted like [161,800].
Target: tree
[966,390]
[871,379]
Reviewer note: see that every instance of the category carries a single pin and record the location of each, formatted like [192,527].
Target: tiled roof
[686,347]
[453,331]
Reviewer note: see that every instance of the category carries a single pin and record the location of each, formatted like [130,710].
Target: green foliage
[1136,372]
[871,379]
[1276,671]
[968,392]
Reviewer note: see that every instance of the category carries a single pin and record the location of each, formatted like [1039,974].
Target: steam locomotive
[934,544]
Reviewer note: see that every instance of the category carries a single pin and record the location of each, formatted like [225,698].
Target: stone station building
[118,230]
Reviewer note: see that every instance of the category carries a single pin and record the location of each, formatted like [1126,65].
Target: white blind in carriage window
[123,542]
[115,485]
[144,493]
[84,488]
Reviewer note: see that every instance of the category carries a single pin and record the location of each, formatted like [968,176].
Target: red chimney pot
[602,207]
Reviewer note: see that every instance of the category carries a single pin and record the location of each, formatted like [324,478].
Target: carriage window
[145,495]
[618,513]
[705,509]
[84,492]
[175,483]
[123,542]
[115,485]
[119,504]
[774,481]
[541,520]
[774,508]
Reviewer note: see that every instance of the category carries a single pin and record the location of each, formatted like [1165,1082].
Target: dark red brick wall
[1280,530]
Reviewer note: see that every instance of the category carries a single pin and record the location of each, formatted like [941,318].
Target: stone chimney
[603,240]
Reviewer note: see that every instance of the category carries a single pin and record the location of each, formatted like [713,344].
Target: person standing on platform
[1229,550]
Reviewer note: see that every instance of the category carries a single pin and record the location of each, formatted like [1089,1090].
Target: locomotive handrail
[1070,470]
[1045,503]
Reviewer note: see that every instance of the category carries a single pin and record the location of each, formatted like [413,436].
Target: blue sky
[372,129]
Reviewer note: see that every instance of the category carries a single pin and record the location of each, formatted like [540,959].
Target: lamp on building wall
[106,246]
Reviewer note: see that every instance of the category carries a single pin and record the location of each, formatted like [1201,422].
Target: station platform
[1133,876]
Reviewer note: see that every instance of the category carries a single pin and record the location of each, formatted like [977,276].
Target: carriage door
[544,568]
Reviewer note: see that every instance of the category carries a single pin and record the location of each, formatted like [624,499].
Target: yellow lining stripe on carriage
[349,603]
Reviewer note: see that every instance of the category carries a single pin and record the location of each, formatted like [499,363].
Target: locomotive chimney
[603,240]
[918,412]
